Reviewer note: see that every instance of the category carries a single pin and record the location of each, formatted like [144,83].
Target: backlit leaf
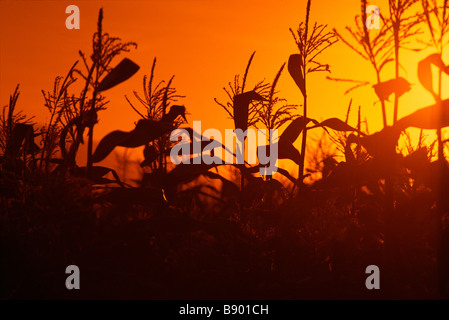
[144,132]
[150,154]
[123,71]
[399,86]
[336,124]
[433,117]
[425,71]
[241,108]
[294,129]
[294,68]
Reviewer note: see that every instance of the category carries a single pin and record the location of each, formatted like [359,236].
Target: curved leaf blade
[123,71]
[295,70]
[433,117]
[294,129]
[399,86]
[241,108]
[144,132]
[337,125]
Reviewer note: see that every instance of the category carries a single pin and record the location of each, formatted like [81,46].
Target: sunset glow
[204,44]
[121,155]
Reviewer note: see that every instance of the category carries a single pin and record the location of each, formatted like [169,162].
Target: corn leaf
[150,154]
[433,117]
[335,124]
[123,71]
[425,71]
[144,132]
[294,129]
[398,86]
[294,68]
[241,108]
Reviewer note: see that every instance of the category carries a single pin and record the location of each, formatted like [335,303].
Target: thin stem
[382,102]
[304,142]
[396,54]
[439,133]
[91,114]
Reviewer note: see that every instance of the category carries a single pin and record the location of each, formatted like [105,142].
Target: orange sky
[203,43]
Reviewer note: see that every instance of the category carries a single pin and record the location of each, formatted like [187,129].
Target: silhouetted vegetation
[210,231]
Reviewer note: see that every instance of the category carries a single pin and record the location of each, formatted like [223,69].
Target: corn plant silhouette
[63,116]
[376,49]
[244,106]
[437,19]
[235,89]
[398,29]
[404,27]
[435,117]
[105,49]
[157,99]
[17,138]
[146,130]
[71,114]
[264,106]
[381,47]
[311,43]
[274,113]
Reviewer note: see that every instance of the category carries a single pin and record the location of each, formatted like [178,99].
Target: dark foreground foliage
[316,245]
